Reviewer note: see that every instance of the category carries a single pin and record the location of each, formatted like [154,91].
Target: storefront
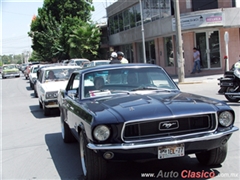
[201,29]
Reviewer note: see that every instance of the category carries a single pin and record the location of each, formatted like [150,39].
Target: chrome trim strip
[155,143]
[170,118]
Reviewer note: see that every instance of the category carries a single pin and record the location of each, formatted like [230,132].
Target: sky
[15,20]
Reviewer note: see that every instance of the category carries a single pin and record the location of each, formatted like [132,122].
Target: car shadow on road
[65,156]
[29,88]
[38,113]
[67,162]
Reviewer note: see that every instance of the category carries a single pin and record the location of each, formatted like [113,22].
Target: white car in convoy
[77,62]
[33,74]
[49,82]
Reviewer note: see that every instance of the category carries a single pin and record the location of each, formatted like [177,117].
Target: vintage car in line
[136,112]
[49,81]
[77,62]
[33,74]
[10,70]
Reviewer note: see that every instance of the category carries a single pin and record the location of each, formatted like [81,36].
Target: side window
[40,76]
[73,83]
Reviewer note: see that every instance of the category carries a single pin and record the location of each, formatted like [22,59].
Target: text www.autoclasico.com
[187,174]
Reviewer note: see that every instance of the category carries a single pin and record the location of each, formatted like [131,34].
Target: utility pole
[180,60]
[143,37]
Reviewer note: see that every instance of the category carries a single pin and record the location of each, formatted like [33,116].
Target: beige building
[204,24]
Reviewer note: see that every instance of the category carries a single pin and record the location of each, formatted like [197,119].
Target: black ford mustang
[137,112]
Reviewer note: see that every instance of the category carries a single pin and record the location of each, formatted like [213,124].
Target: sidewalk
[198,79]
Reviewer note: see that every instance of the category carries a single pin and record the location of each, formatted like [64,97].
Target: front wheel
[66,132]
[213,157]
[230,97]
[94,167]
[46,110]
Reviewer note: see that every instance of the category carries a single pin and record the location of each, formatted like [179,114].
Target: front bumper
[51,103]
[148,150]
[11,75]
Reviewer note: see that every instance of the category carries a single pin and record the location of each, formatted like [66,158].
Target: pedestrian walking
[196,60]
[114,59]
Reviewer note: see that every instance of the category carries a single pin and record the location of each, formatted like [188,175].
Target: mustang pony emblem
[168,125]
[131,109]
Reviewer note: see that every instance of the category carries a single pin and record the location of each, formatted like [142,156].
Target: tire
[67,136]
[35,93]
[93,166]
[31,85]
[213,157]
[229,97]
[40,105]
[46,111]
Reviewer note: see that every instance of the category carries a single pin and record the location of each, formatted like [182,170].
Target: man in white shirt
[196,60]
[121,57]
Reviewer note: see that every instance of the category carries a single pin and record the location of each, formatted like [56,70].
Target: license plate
[170,151]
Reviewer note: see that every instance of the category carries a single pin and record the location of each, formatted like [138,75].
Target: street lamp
[143,37]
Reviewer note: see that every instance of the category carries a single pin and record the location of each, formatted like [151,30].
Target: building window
[150,52]
[131,17]
[126,19]
[147,14]
[116,25]
[168,46]
[120,20]
[111,25]
[204,4]
[138,15]
[132,13]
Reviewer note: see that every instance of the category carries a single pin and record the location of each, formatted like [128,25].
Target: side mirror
[72,93]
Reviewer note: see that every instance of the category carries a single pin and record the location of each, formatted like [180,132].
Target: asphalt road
[32,147]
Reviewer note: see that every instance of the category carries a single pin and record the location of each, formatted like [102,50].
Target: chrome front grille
[160,128]
[11,72]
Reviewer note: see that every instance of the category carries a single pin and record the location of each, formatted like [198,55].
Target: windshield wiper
[144,88]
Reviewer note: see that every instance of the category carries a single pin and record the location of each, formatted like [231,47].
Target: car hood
[138,106]
[54,85]
[10,70]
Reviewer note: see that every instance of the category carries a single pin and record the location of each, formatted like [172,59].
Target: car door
[70,101]
[39,84]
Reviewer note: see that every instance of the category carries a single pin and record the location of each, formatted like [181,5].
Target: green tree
[84,41]
[57,24]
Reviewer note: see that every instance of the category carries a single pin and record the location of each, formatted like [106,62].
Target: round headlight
[225,118]
[101,132]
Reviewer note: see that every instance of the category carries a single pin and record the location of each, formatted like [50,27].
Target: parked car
[141,115]
[86,64]
[77,62]
[10,70]
[48,83]
[99,62]
[0,69]
[33,74]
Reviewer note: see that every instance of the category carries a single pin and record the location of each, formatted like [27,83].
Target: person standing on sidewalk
[122,58]
[196,59]
[114,59]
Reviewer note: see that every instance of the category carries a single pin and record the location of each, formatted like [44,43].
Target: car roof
[101,60]
[80,59]
[60,67]
[116,66]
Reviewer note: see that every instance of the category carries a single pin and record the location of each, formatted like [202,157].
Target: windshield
[59,74]
[128,79]
[80,62]
[9,67]
[101,63]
